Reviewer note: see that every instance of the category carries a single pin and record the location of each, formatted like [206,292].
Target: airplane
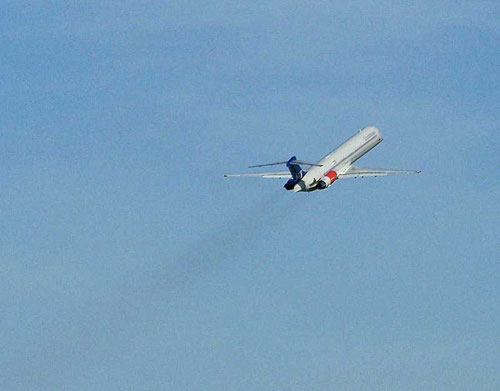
[338,164]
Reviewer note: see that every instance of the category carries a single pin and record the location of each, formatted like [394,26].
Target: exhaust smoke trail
[92,326]
[246,228]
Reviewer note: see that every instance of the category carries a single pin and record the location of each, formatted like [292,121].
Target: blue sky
[129,263]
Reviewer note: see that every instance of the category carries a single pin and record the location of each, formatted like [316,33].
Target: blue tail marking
[296,171]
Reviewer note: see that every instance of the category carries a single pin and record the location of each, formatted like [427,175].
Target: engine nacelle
[327,180]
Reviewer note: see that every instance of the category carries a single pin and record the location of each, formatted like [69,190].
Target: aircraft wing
[355,172]
[277,175]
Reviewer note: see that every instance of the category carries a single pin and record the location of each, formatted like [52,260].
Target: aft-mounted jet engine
[327,180]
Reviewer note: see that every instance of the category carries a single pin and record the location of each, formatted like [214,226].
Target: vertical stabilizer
[295,168]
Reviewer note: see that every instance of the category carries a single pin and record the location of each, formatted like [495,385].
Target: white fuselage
[340,159]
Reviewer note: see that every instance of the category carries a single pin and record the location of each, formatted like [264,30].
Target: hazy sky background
[129,263]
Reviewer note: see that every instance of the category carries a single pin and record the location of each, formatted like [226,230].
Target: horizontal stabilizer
[268,164]
[276,175]
[287,162]
[306,163]
[355,172]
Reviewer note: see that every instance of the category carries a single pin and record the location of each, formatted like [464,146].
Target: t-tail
[296,171]
[293,166]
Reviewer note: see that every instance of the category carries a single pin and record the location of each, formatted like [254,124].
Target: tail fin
[295,169]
